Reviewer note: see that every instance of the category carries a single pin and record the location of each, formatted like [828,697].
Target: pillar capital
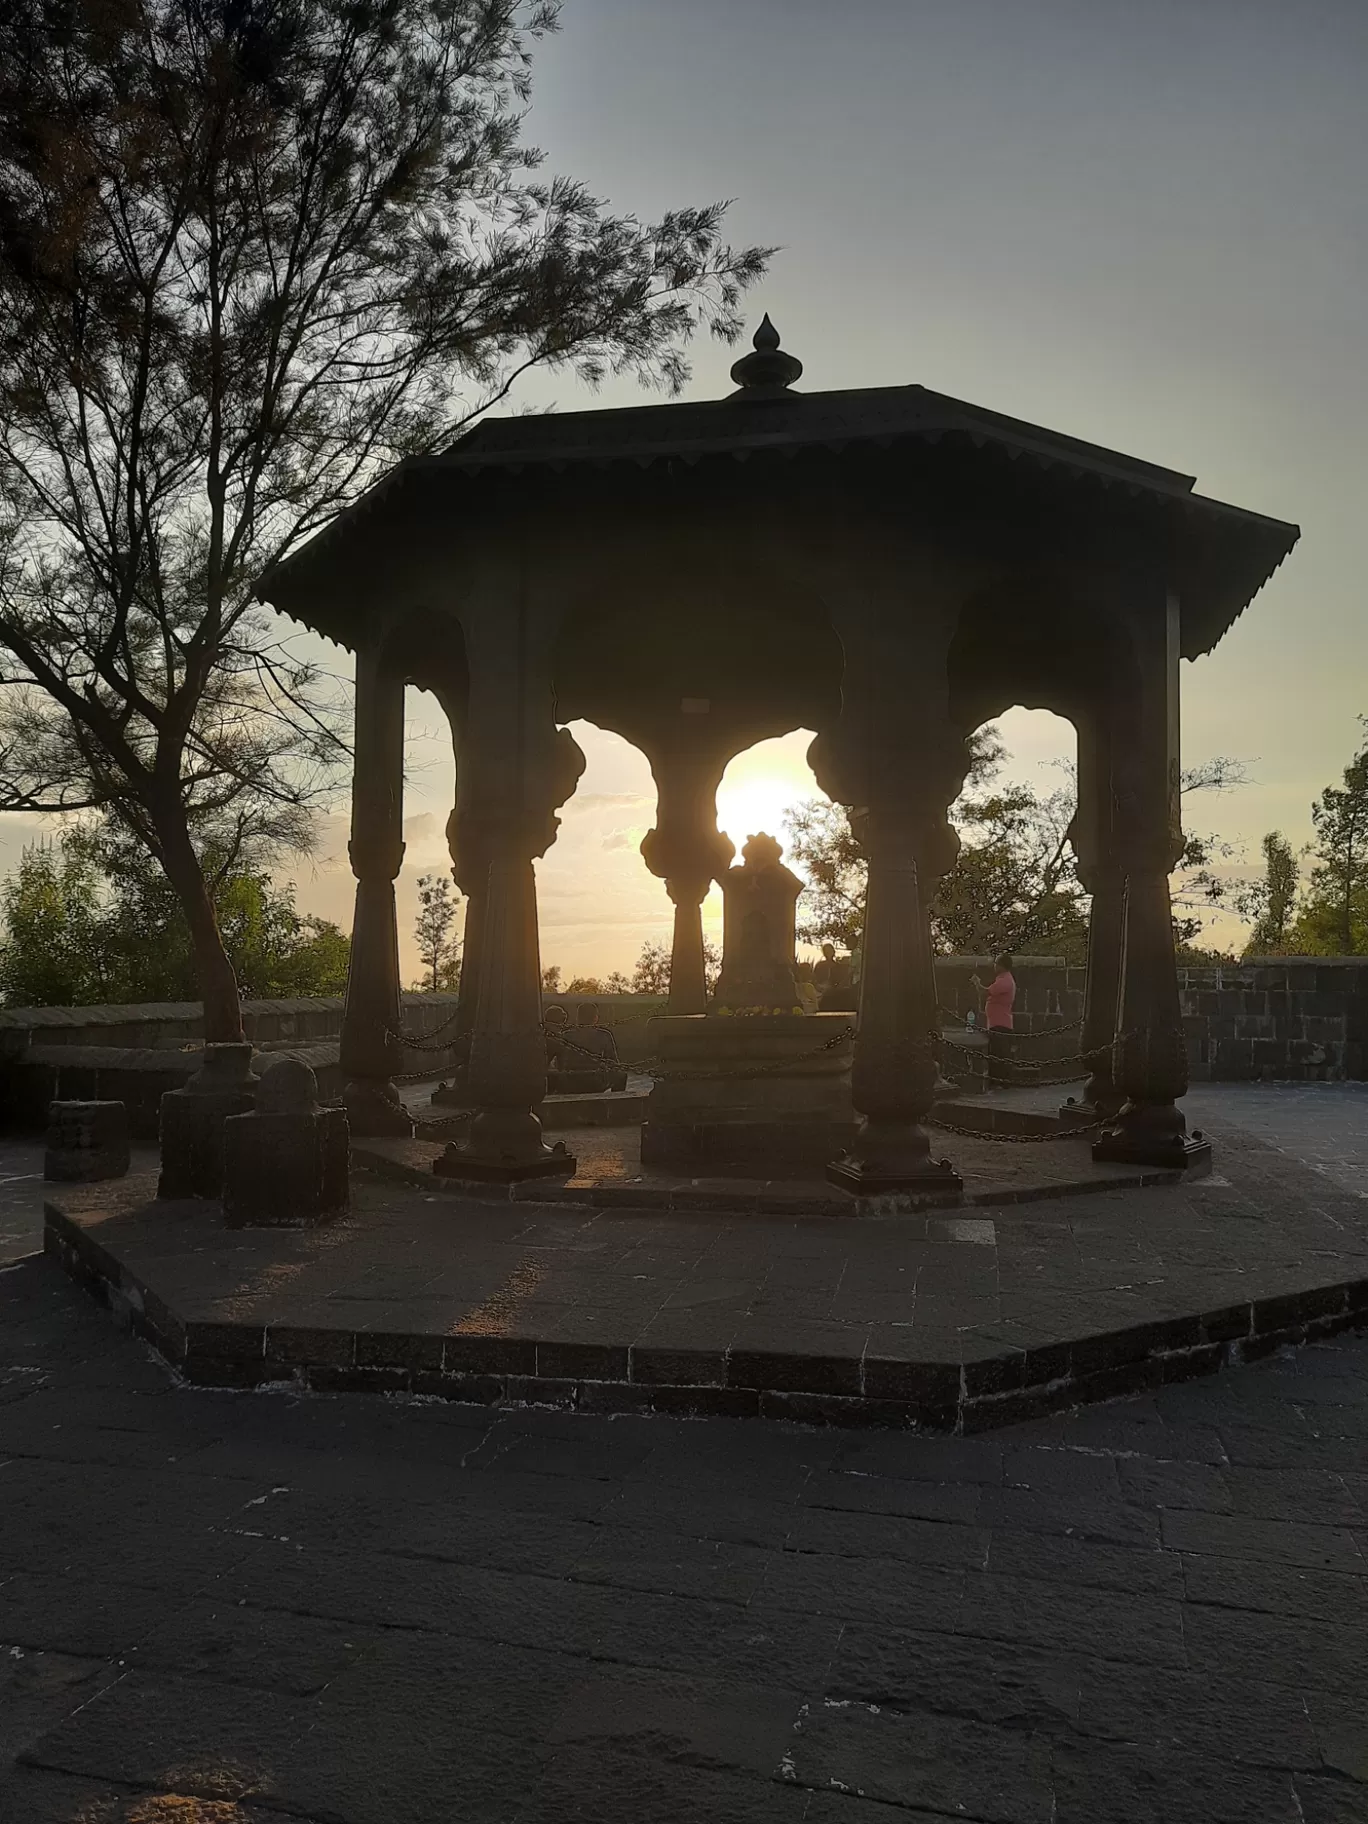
[376,855]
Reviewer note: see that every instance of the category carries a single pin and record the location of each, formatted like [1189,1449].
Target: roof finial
[769,371]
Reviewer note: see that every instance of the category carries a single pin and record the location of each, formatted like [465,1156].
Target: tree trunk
[217,983]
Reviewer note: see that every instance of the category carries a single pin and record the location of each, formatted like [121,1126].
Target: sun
[762,784]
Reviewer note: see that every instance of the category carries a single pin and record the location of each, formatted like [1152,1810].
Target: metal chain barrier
[423,1041]
[978,1133]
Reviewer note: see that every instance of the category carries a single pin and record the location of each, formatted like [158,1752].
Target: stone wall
[179,1025]
[133,1054]
[1271,1019]
[1284,1019]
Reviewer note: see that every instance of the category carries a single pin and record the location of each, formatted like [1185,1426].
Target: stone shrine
[889,567]
[86,1142]
[285,1162]
[192,1121]
[759,901]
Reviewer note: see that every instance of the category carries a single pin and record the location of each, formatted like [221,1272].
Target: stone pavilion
[887,566]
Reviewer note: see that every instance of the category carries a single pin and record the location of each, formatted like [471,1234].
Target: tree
[1333,921]
[251,253]
[54,949]
[617,983]
[551,979]
[652,972]
[1014,885]
[92,918]
[1269,903]
[585,984]
[820,841]
[439,951]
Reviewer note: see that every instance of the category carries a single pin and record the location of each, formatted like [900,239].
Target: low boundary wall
[1267,1019]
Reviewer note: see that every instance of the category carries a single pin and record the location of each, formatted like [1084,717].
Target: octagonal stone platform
[954,1320]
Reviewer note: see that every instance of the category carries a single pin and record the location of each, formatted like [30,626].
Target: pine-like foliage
[251,253]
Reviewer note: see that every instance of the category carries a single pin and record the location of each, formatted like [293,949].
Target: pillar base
[1078,1111]
[897,1160]
[1154,1134]
[374,1111]
[461,1162]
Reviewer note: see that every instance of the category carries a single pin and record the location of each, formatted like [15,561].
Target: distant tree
[551,979]
[652,972]
[585,984]
[54,950]
[1270,901]
[251,253]
[92,918]
[439,951]
[820,841]
[1014,885]
[617,983]
[712,964]
[1333,920]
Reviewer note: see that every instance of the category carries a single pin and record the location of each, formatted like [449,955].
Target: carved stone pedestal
[192,1121]
[86,1142]
[504,1147]
[285,1163]
[894,1158]
[1151,1134]
[768,1094]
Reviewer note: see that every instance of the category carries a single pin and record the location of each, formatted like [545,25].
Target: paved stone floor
[248,1608]
[956,1320]
[21,1180]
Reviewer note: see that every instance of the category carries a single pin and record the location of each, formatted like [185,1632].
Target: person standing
[821,969]
[999,995]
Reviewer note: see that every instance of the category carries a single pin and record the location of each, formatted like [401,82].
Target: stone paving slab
[933,1319]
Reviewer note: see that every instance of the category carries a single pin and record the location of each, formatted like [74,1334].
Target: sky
[1142,224]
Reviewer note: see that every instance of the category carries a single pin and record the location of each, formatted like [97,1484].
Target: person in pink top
[999,995]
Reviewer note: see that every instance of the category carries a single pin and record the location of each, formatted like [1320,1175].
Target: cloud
[600,801]
[622,839]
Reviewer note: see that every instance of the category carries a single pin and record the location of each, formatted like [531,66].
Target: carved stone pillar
[688,852]
[1149,1055]
[1092,834]
[1101,989]
[470,871]
[896,761]
[893,1080]
[371,1052]
[521,769]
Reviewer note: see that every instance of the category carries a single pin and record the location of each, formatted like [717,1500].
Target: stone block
[1321,1031]
[1232,1061]
[86,1141]
[750,1093]
[1254,1026]
[285,1162]
[192,1121]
